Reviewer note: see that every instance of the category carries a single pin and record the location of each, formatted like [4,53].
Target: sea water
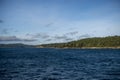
[59,64]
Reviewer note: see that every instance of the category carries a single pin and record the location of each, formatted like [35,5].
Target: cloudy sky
[49,21]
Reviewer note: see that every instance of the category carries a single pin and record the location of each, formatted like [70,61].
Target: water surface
[59,64]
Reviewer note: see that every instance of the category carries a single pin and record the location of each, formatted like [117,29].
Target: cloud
[60,37]
[68,39]
[84,36]
[72,33]
[48,40]
[63,38]
[14,38]
[38,35]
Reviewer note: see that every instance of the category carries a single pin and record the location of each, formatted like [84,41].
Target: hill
[96,42]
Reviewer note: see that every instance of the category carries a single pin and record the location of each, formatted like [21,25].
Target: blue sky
[49,21]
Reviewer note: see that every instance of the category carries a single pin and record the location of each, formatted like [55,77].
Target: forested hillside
[111,41]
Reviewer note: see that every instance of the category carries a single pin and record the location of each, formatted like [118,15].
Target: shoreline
[82,47]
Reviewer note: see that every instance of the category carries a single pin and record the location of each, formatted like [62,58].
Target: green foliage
[111,41]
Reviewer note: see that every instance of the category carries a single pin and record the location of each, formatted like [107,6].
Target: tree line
[110,41]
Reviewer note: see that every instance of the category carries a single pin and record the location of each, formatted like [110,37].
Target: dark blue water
[59,64]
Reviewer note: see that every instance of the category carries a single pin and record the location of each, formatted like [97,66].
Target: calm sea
[59,64]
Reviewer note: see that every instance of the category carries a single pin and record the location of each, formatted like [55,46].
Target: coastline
[82,47]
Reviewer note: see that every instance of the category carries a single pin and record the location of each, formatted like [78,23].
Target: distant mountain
[19,45]
[96,42]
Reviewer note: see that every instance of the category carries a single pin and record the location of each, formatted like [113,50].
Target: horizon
[56,21]
[57,42]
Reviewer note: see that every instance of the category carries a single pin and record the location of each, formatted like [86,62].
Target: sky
[53,21]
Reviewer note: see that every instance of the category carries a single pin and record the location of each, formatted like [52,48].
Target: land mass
[96,42]
[87,43]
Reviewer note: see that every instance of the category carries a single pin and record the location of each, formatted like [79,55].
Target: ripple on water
[58,64]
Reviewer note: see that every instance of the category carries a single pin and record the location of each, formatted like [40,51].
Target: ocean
[59,64]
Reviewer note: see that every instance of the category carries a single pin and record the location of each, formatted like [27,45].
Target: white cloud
[14,38]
